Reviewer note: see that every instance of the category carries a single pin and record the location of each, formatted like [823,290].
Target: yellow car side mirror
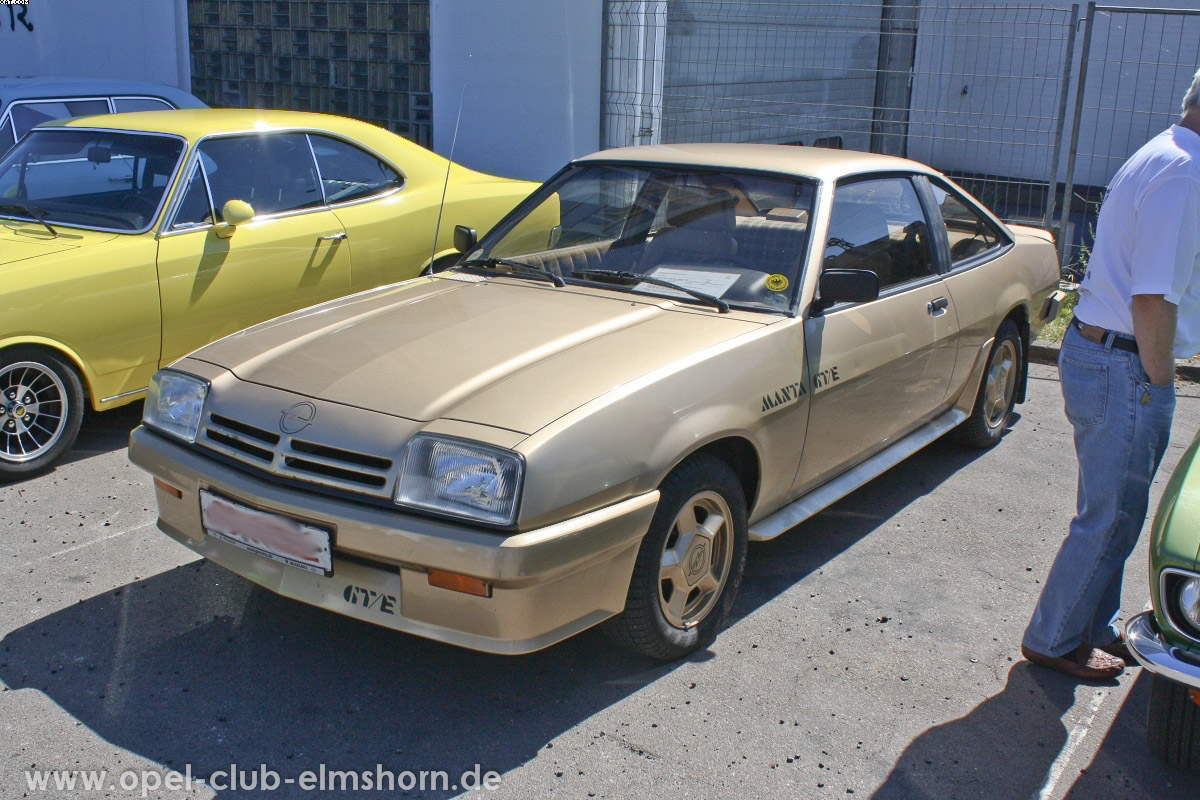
[234,212]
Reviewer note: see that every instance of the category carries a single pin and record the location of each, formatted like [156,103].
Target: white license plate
[272,536]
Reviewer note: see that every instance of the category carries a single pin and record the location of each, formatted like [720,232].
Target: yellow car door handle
[333,237]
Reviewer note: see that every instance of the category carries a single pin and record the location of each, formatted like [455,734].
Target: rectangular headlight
[174,404]
[466,479]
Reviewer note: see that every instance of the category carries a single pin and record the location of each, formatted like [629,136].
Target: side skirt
[827,494]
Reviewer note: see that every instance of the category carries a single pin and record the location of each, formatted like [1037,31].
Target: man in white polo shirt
[1138,310]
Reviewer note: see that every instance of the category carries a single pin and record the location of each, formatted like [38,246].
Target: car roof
[12,89]
[809,162]
[196,123]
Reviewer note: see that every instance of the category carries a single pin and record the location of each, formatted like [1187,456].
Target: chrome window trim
[168,228]
[114,98]
[1168,604]
[157,216]
[317,164]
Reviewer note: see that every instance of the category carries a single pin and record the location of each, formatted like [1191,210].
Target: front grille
[297,459]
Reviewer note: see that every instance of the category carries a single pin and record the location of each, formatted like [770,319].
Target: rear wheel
[998,391]
[690,564]
[1173,724]
[41,408]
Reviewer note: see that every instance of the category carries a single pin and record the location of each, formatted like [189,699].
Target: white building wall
[124,39]
[527,77]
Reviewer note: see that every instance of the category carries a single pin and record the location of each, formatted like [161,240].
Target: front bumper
[547,584]
[1158,656]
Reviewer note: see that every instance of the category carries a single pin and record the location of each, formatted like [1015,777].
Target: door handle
[333,237]
[937,307]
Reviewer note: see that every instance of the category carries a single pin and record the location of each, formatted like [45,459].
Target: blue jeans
[1122,423]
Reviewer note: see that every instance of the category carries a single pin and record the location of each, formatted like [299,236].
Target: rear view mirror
[464,238]
[846,286]
[99,155]
[234,212]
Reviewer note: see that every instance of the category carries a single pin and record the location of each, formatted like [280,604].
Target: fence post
[1069,188]
[1064,91]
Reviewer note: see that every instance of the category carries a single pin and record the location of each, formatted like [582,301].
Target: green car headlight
[175,403]
[465,479]
[1188,596]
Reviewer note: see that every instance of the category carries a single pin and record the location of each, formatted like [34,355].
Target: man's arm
[1154,329]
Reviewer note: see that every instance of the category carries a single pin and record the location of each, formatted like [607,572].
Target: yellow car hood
[23,240]
[505,353]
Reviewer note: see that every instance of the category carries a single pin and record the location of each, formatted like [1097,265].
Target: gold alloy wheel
[1001,383]
[32,411]
[695,560]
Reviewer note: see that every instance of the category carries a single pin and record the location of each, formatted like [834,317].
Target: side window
[349,173]
[970,232]
[27,115]
[194,210]
[273,172]
[140,104]
[6,135]
[879,225]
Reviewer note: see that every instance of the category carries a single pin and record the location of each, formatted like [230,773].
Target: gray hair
[1191,100]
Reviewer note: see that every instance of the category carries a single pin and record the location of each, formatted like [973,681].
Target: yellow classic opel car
[128,240]
[661,354]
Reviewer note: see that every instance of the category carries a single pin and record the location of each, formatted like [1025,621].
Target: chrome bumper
[1159,657]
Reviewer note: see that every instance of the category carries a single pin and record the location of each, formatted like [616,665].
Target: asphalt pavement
[873,652]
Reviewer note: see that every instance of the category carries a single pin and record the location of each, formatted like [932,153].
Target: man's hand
[1154,328]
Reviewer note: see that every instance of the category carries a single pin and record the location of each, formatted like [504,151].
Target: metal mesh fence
[976,91]
[1135,65]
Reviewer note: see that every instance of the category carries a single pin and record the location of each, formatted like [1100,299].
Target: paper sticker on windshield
[711,283]
[777,283]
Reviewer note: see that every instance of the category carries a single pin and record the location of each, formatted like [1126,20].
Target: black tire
[41,408]
[1173,724]
[659,620]
[997,391]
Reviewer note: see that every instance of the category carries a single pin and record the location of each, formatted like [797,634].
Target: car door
[972,239]
[877,369]
[390,224]
[213,279]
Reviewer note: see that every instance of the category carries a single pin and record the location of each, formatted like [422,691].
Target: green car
[1167,640]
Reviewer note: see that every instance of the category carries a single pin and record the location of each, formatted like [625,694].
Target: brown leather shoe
[1120,649]
[1085,662]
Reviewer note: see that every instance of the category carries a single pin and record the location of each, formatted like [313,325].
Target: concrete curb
[1047,353]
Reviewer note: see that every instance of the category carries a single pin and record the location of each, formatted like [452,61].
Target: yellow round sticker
[777,283]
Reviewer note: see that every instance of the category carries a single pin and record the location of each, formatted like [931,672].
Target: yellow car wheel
[689,566]
[41,408]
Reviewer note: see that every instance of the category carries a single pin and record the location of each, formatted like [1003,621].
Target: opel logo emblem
[298,417]
[697,560]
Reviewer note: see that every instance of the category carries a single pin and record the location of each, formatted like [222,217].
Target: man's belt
[1094,333]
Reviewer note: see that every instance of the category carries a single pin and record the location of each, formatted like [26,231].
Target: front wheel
[998,392]
[690,564]
[41,408]
[1173,724]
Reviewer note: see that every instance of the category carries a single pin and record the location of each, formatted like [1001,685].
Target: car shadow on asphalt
[104,432]
[198,667]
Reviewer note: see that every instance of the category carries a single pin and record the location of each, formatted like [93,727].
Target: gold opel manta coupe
[664,352]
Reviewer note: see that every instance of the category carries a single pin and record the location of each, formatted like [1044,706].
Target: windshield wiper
[492,263]
[33,212]
[634,277]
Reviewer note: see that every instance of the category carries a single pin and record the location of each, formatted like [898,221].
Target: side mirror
[846,286]
[464,238]
[234,212]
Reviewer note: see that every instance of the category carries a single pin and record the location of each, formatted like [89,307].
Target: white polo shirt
[1148,239]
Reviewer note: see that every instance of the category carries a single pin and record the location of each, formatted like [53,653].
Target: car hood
[21,240]
[505,353]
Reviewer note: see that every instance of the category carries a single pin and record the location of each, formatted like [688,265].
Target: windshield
[92,179]
[738,237]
